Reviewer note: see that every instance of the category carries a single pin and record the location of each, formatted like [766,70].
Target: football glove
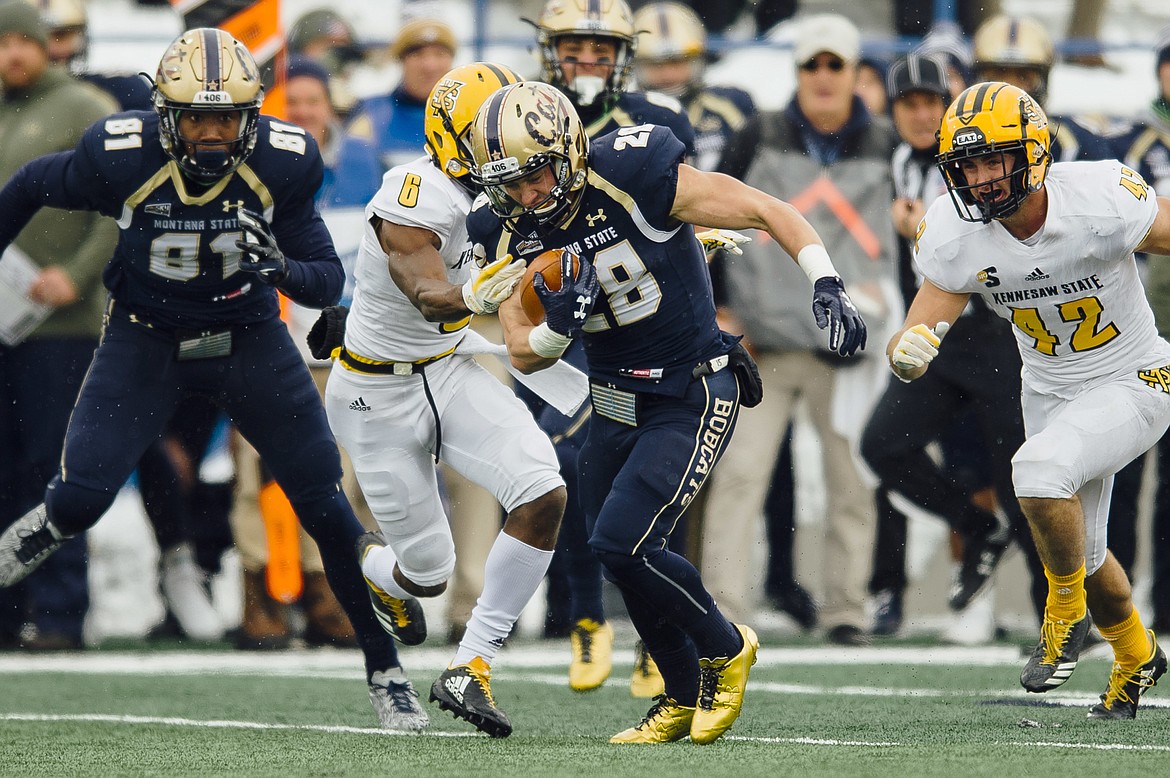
[918,346]
[751,386]
[832,308]
[566,309]
[328,332]
[484,292]
[728,240]
[261,254]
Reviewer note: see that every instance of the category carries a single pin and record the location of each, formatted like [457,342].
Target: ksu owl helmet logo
[446,94]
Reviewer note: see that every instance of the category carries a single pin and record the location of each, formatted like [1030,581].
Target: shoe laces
[642,659]
[584,639]
[661,703]
[1119,684]
[401,694]
[397,606]
[34,543]
[482,679]
[709,676]
[1054,633]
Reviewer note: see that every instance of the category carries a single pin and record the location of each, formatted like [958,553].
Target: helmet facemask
[993,118]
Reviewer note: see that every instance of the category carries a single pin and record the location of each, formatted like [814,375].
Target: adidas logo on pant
[359,405]
[456,684]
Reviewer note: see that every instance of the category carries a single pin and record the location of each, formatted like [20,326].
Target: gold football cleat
[722,683]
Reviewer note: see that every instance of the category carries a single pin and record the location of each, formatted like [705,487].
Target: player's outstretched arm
[931,314]
[720,201]
[1157,240]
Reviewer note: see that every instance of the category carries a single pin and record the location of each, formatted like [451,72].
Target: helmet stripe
[212,67]
[492,141]
[593,10]
[504,77]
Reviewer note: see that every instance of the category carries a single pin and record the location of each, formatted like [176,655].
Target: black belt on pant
[359,365]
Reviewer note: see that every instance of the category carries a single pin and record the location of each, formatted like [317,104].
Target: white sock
[511,576]
[378,565]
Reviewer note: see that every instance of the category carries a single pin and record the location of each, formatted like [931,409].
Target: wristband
[815,262]
[546,343]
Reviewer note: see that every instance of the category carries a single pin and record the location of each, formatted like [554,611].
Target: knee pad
[73,508]
[1045,467]
[427,559]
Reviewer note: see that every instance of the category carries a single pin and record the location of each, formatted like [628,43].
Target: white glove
[918,346]
[484,292]
[728,240]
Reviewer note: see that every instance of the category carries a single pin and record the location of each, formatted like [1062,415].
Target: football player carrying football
[1050,248]
[586,51]
[666,384]
[207,193]
[400,397]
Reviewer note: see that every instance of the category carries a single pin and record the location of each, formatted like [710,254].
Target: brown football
[548,264]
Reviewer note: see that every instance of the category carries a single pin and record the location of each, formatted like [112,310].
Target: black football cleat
[981,555]
[403,619]
[466,692]
[1126,686]
[27,542]
[1055,656]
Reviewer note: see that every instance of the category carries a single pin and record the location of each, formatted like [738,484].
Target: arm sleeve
[315,277]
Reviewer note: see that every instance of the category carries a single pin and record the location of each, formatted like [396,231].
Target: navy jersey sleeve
[642,161]
[315,277]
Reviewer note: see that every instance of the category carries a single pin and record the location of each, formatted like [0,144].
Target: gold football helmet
[587,18]
[207,70]
[993,118]
[451,108]
[519,130]
[669,32]
[1015,49]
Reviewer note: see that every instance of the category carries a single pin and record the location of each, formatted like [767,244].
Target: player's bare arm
[1157,240]
[718,200]
[417,268]
[517,329]
[931,307]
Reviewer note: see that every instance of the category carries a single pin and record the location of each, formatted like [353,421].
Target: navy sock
[332,525]
[674,587]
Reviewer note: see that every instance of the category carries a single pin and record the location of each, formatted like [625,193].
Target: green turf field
[899,709]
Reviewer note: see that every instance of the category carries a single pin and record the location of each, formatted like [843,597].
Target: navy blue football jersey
[176,264]
[655,319]
[634,108]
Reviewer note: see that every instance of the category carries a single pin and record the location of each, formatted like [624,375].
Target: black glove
[751,386]
[328,332]
[566,309]
[833,309]
[261,254]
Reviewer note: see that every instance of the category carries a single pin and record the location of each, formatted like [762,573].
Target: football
[548,264]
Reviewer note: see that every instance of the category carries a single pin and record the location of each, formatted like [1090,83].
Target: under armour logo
[229,206]
[584,303]
[597,217]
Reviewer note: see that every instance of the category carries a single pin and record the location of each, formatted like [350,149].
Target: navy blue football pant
[134,387]
[635,483]
[39,381]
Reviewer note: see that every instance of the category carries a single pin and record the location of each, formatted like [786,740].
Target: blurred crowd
[853,148]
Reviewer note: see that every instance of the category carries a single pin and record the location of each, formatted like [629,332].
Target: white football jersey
[383,325]
[1072,290]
